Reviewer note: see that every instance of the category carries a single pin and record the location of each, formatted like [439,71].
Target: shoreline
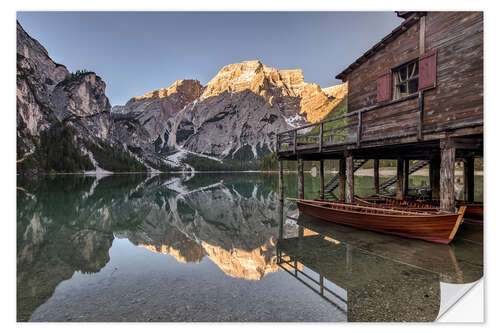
[359,172]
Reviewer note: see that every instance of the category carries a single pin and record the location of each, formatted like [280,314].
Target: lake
[220,247]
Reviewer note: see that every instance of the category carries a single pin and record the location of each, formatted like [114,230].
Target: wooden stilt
[280,179]
[469,179]
[376,179]
[406,177]
[321,179]
[447,183]
[434,167]
[400,179]
[342,167]
[350,179]
[300,171]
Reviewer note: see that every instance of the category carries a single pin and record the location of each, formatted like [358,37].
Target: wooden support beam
[342,176]
[350,178]
[420,115]
[321,137]
[469,179]
[462,143]
[422,35]
[447,183]
[406,177]
[322,179]
[295,142]
[376,178]
[360,128]
[400,179]
[300,171]
[280,179]
[434,173]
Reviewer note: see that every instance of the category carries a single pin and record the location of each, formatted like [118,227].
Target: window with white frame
[405,79]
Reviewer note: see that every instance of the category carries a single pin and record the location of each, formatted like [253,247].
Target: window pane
[411,70]
[402,74]
[402,88]
[413,86]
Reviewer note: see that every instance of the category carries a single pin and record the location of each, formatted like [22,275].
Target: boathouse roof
[410,18]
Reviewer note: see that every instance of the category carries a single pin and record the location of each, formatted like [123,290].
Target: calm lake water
[219,247]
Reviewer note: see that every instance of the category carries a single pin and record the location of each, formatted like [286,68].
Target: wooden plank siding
[363,80]
[458,96]
[397,117]
[458,38]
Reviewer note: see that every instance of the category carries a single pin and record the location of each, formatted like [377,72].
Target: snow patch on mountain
[295,120]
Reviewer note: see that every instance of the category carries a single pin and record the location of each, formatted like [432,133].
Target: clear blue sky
[136,52]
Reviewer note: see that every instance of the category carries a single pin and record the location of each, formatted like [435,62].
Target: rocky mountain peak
[254,76]
[87,92]
[35,58]
[187,89]
[338,91]
[286,88]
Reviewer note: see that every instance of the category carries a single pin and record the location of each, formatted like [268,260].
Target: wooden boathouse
[415,95]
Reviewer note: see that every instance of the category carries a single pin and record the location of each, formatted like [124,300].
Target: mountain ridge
[65,122]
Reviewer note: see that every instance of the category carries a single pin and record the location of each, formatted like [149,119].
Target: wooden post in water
[322,179]
[400,179]
[469,179]
[342,179]
[300,171]
[350,178]
[406,177]
[280,179]
[434,166]
[376,179]
[447,184]
[281,220]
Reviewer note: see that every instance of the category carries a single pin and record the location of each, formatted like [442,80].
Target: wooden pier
[416,95]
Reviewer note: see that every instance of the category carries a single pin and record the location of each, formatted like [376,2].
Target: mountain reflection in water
[74,255]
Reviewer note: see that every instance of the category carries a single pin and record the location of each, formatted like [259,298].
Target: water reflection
[377,277]
[67,224]
[274,268]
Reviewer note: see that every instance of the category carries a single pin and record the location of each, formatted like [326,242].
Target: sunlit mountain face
[217,247]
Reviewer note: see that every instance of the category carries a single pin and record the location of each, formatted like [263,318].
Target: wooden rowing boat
[391,203]
[433,226]
[473,213]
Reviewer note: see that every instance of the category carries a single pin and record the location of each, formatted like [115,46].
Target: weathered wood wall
[363,80]
[458,98]
[398,118]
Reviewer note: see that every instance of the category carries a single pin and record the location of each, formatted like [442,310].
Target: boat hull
[437,228]
[474,213]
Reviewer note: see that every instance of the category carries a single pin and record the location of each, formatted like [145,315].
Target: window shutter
[384,88]
[427,70]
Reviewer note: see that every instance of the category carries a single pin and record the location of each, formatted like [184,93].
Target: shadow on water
[71,257]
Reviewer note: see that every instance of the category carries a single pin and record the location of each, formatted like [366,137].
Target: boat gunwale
[396,213]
